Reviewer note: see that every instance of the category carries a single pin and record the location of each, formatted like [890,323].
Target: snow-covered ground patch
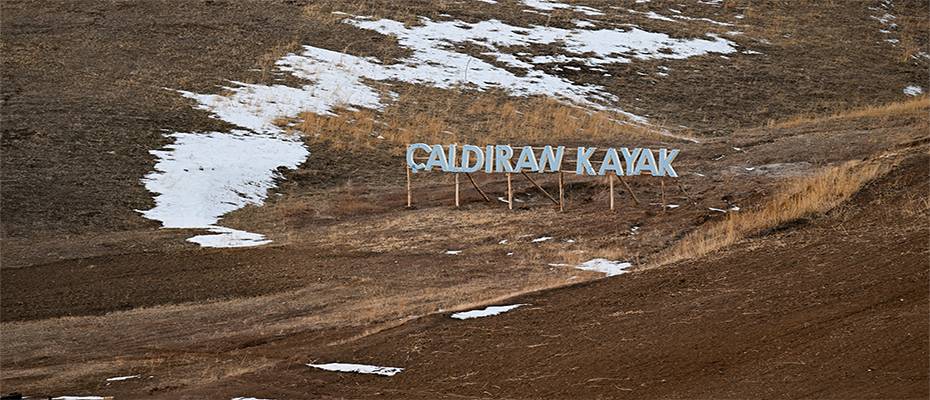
[202,176]
[883,14]
[913,90]
[541,239]
[610,268]
[550,5]
[435,62]
[358,368]
[123,378]
[485,312]
[78,398]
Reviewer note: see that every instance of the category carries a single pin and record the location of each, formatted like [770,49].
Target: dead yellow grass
[895,109]
[446,116]
[267,61]
[466,297]
[805,196]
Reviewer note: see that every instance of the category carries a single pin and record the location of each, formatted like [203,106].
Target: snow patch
[886,19]
[358,368]
[485,312]
[610,268]
[202,176]
[123,378]
[913,90]
[550,5]
[78,398]
[435,62]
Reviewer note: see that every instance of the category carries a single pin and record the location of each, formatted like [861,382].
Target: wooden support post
[662,188]
[628,189]
[610,178]
[539,187]
[457,190]
[475,184]
[561,191]
[509,192]
[409,195]
[688,196]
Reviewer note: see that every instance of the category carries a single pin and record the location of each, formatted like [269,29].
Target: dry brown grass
[800,198]
[465,297]
[446,116]
[895,109]
[267,61]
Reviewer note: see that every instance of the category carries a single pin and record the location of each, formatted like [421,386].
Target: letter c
[414,166]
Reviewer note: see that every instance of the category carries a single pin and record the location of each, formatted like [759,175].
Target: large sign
[500,158]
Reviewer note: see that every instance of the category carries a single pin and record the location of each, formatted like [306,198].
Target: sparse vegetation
[894,109]
[92,290]
[440,116]
[800,198]
[267,61]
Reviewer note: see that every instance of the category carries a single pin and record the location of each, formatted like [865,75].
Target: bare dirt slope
[88,86]
[834,307]
[245,321]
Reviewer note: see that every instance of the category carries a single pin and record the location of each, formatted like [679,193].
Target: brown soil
[85,98]
[834,309]
[834,306]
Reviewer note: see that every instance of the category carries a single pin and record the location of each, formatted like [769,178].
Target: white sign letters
[503,158]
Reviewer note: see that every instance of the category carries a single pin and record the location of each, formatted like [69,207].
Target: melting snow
[583,23]
[435,62]
[653,15]
[913,90]
[485,312]
[453,252]
[886,19]
[541,239]
[202,176]
[610,268]
[549,5]
[358,368]
[122,378]
[78,398]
